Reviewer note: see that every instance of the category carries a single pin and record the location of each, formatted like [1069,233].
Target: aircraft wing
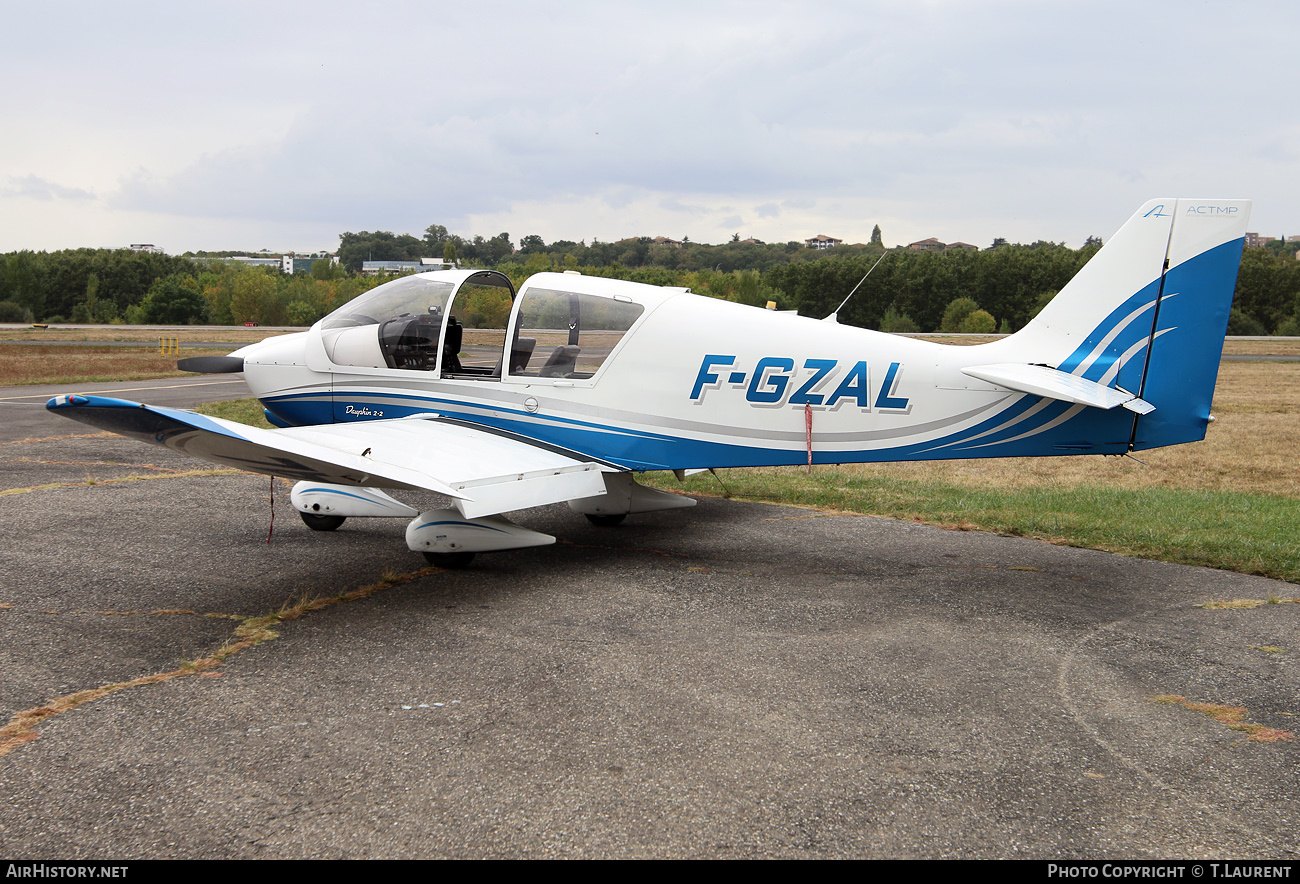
[483,470]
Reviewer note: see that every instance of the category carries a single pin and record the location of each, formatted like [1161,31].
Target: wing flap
[483,472]
[1055,384]
[501,494]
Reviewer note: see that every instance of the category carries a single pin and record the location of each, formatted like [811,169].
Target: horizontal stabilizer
[483,471]
[1054,384]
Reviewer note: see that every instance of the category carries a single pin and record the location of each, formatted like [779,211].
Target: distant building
[1255,241]
[927,245]
[372,268]
[294,263]
[145,247]
[822,241]
[290,263]
[933,245]
[665,241]
[248,261]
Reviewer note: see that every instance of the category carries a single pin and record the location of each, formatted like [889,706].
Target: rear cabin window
[567,335]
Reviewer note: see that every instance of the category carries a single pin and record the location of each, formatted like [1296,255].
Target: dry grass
[1232,716]
[231,334]
[1245,604]
[1251,446]
[956,340]
[1231,347]
[1270,347]
[1234,605]
[73,365]
[485,337]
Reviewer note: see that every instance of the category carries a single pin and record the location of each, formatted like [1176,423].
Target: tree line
[995,289]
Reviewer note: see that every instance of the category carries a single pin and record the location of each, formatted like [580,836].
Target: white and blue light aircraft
[594,380]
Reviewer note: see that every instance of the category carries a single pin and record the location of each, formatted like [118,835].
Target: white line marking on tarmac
[127,390]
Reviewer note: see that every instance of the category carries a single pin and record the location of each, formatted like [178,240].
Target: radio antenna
[835,316]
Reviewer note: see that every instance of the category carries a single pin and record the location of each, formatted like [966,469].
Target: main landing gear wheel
[451,561]
[322,523]
[606,521]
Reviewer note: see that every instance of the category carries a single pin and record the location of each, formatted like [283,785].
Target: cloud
[981,119]
[673,204]
[32,187]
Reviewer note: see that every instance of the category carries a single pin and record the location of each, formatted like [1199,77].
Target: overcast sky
[280,125]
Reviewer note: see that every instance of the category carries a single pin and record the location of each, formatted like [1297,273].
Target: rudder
[1191,320]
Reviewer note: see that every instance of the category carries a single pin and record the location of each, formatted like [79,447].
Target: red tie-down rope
[807,423]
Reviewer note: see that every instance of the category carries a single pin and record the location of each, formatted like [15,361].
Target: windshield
[408,296]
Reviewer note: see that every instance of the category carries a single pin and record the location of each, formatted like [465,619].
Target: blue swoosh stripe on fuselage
[644,450]
[1137,328]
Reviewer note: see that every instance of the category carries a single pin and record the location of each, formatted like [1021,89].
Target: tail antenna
[835,316]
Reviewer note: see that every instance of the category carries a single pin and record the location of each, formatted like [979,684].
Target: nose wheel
[606,520]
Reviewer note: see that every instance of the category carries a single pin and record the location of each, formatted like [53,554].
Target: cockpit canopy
[466,324]
[412,318]
[408,296]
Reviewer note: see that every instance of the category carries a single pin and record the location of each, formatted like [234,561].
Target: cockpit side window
[567,335]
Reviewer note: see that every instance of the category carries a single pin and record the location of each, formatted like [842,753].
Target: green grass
[1249,533]
[245,411]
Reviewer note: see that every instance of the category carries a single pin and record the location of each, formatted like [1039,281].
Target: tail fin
[1149,312]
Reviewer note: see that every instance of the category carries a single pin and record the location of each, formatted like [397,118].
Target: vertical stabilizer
[1191,320]
[1148,313]
[1109,305]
